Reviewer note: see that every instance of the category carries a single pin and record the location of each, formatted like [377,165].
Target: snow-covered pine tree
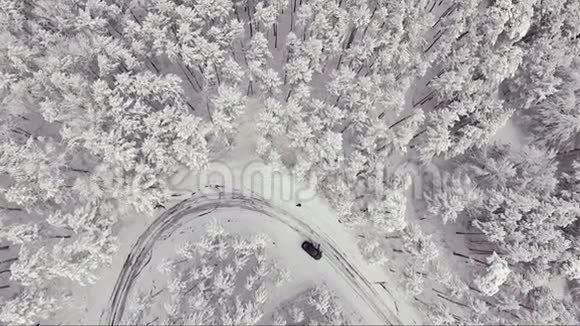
[523,215]
[466,90]
[496,274]
[449,198]
[30,306]
[550,45]
[90,126]
[555,120]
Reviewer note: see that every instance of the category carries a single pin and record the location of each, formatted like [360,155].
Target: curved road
[200,205]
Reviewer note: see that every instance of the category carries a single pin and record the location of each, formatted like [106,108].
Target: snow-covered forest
[442,135]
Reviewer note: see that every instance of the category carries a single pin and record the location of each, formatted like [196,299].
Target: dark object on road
[312,250]
[299,205]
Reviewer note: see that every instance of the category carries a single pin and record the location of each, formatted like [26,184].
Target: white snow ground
[355,288]
[239,170]
[305,271]
[285,249]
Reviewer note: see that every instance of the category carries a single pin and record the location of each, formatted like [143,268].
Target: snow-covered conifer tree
[496,274]
[31,305]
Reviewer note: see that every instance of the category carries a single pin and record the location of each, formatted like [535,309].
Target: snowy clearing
[253,214]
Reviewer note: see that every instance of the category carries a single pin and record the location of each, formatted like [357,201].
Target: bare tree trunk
[292,15]
[349,123]
[189,79]
[135,17]
[209,112]
[236,12]
[481,252]
[79,170]
[369,68]
[370,20]
[421,301]
[153,65]
[10,209]
[436,76]
[9,260]
[217,74]
[339,61]
[432,7]
[419,133]
[275,36]
[424,99]
[479,241]
[250,19]
[446,13]
[434,42]
[470,258]
[350,38]
[60,237]
[462,35]
[400,121]
[441,104]
[152,321]
[452,301]
[570,152]
[195,78]
[249,87]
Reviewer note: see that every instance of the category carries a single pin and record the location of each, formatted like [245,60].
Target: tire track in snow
[201,205]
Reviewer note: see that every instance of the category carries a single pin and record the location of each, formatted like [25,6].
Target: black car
[312,249]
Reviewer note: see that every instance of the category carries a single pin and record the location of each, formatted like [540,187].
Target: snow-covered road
[203,205]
